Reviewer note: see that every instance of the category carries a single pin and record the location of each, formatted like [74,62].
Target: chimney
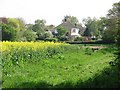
[65,20]
[75,24]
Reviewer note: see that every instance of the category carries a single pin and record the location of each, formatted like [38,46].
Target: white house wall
[75,32]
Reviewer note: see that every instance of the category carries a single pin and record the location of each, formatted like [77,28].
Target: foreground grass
[58,66]
[78,68]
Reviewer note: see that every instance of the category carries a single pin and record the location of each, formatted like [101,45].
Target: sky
[53,11]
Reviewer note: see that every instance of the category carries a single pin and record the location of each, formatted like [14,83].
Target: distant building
[3,20]
[72,30]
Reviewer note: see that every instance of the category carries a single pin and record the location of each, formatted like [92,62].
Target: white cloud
[53,11]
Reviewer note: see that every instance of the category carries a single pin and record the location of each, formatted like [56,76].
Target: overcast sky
[53,11]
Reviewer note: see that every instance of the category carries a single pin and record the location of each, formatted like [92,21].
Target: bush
[63,38]
[51,39]
[78,39]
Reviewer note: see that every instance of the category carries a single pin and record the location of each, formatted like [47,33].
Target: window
[74,30]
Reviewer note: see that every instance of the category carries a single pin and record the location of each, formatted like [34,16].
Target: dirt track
[99,47]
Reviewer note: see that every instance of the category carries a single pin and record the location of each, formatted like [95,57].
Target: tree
[29,27]
[92,27]
[118,42]
[47,35]
[22,28]
[29,35]
[10,28]
[117,13]
[61,31]
[17,25]
[8,32]
[101,26]
[39,25]
[39,28]
[108,36]
[110,24]
[73,20]
[87,32]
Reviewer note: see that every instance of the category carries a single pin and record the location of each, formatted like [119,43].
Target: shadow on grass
[109,78]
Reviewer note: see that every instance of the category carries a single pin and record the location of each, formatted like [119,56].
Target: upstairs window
[73,30]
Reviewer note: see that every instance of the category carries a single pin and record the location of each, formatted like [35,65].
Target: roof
[67,25]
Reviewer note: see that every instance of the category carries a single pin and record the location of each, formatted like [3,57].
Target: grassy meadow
[54,65]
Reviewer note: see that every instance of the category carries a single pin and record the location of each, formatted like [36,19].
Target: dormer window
[74,30]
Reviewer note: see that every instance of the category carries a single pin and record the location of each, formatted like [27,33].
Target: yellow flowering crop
[6,45]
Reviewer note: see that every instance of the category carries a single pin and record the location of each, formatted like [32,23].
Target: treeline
[104,28]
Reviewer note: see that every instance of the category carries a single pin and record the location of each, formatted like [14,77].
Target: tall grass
[36,65]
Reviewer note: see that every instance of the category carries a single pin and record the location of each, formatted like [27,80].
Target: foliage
[49,64]
[22,28]
[78,39]
[13,29]
[61,31]
[108,36]
[30,50]
[29,35]
[64,38]
[73,20]
[118,42]
[8,32]
[110,23]
[48,35]
[87,32]
[92,27]
[51,39]
[39,27]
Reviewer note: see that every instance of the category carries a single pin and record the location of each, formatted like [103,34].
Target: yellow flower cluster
[7,45]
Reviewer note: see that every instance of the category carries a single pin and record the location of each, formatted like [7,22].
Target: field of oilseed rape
[53,65]
[19,52]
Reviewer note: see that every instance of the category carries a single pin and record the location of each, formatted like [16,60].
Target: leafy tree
[8,32]
[47,35]
[22,28]
[39,27]
[61,31]
[118,42]
[73,20]
[115,11]
[10,28]
[101,26]
[92,27]
[116,8]
[87,32]
[110,24]
[108,36]
[29,35]
[16,26]
[29,27]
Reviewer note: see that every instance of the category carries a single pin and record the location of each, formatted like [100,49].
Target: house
[51,30]
[72,30]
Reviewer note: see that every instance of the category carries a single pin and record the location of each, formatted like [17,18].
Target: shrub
[51,39]
[78,39]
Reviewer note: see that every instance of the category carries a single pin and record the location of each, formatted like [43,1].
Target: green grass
[72,68]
